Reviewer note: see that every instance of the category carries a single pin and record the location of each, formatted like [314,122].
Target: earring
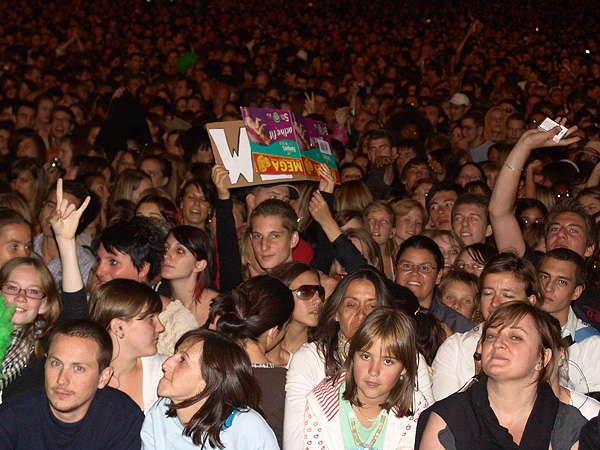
[119,328]
[401,377]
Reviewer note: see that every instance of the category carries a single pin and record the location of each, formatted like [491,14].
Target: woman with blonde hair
[495,125]
[410,218]
[353,195]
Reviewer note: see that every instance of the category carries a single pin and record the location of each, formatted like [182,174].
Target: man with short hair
[515,127]
[274,233]
[562,274]
[439,203]
[258,194]
[26,113]
[45,245]
[62,123]
[568,225]
[470,218]
[458,106]
[472,131]
[76,410]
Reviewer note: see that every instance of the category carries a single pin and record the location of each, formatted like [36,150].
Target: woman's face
[496,121]
[468,174]
[149,209]
[409,225]
[449,249]
[513,352]
[358,302]
[531,215]
[144,184]
[179,262]
[140,335]
[381,226]
[26,185]
[99,187]
[194,207]
[26,308]
[466,262]
[65,154]
[182,374]
[306,312]
[27,149]
[411,275]
[126,161]
[92,135]
[500,288]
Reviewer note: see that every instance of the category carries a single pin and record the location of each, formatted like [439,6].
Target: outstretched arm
[507,232]
[65,223]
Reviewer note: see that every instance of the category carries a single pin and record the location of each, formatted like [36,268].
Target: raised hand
[538,139]
[220,178]
[66,218]
[327,183]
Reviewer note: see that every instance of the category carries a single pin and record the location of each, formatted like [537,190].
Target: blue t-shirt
[113,421]
[249,431]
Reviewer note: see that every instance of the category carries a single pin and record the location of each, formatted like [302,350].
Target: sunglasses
[307,291]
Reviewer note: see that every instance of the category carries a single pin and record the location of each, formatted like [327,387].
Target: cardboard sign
[271,146]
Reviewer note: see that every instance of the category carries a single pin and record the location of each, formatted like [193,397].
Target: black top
[272,384]
[113,421]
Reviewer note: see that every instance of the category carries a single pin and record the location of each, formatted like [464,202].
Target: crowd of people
[444,295]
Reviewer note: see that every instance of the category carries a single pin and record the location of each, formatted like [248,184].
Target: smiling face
[359,301]
[182,374]
[420,282]
[306,312]
[26,308]
[568,230]
[409,225]
[376,373]
[195,208]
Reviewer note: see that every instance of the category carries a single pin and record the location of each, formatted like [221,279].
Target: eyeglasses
[423,268]
[307,291]
[33,294]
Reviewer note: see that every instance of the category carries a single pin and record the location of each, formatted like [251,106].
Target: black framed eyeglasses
[307,291]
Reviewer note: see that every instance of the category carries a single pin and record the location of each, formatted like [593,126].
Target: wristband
[512,168]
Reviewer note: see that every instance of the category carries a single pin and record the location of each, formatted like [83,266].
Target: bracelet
[512,168]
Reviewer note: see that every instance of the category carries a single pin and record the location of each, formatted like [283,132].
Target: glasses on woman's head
[307,291]
[11,289]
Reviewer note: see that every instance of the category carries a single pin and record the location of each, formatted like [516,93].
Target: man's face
[470,131]
[265,193]
[116,265]
[432,113]
[568,230]
[15,241]
[380,147]
[470,223]
[72,377]
[455,112]
[25,117]
[415,174]
[271,242]
[44,110]
[440,209]
[559,285]
[514,130]
[49,209]
[152,168]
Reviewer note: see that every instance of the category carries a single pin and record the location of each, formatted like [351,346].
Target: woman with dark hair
[25,178]
[26,143]
[371,402]
[512,405]
[256,315]
[529,211]
[158,206]
[469,172]
[473,258]
[305,284]
[129,310]
[505,278]
[197,202]
[419,267]
[355,297]
[210,399]
[189,266]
